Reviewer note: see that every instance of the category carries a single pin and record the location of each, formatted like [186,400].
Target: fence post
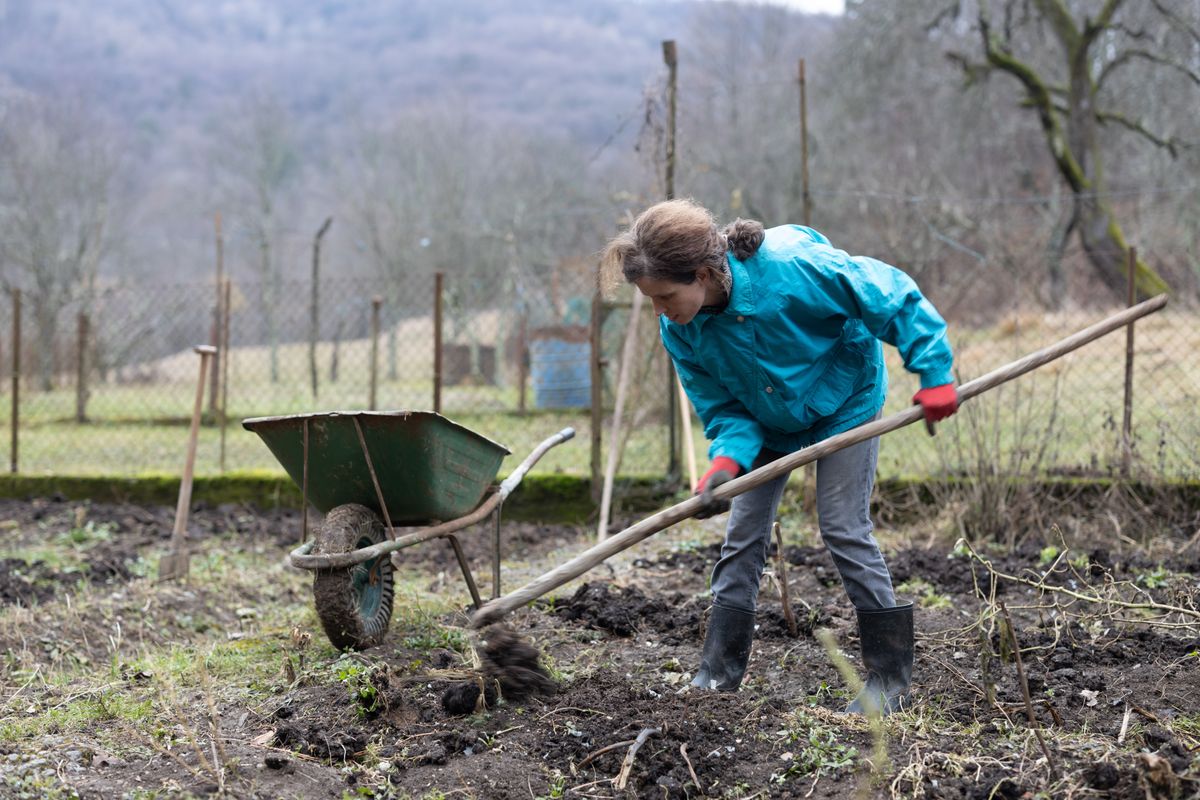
[218,315]
[672,62]
[1127,417]
[438,282]
[16,377]
[226,296]
[597,364]
[522,360]
[805,197]
[314,305]
[81,369]
[376,302]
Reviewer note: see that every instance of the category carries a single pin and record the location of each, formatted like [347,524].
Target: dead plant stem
[1037,729]
[627,764]
[1087,598]
[691,770]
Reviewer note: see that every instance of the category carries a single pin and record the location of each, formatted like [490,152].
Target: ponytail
[745,236]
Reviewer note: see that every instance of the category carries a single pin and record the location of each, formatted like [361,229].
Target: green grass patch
[926,596]
[811,749]
[99,705]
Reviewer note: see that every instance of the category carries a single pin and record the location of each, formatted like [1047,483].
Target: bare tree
[258,163]
[56,197]
[1065,55]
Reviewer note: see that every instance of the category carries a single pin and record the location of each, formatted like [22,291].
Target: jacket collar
[741,294]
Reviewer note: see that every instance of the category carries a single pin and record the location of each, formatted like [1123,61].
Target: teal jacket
[795,357]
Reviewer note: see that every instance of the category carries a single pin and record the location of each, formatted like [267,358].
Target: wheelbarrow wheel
[354,603]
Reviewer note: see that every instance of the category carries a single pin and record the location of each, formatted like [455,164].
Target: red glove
[938,402]
[723,470]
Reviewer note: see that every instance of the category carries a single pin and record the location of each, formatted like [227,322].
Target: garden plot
[115,685]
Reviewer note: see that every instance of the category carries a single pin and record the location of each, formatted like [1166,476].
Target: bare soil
[1108,636]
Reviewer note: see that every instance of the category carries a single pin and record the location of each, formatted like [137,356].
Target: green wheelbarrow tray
[427,467]
[408,467]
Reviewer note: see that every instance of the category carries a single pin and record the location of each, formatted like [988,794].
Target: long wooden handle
[499,607]
[185,483]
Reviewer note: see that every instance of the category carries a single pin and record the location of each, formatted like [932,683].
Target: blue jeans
[845,480]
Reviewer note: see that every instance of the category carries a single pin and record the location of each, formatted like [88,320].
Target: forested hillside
[491,136]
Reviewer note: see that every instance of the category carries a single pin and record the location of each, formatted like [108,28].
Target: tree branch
[1171,145]
[1179,21]
[1039,97]
[1129,55]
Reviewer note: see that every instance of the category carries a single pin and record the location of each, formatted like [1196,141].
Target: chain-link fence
[107,386]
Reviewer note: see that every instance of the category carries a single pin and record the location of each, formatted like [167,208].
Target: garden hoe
[499,663]
[175,563]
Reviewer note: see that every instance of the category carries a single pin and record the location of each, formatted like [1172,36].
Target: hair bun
[745,236]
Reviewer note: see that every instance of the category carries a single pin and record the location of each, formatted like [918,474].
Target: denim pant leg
[737,574]
[844,483]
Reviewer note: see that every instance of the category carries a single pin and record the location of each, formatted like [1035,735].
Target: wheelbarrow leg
[496,553]
[466,570]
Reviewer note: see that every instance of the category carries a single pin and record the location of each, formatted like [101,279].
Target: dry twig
[627,764]
[781,568]
[1037,729]
[688,761]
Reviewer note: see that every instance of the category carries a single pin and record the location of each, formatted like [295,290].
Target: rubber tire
[337,592]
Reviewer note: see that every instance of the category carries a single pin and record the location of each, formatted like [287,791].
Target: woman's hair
[673,239]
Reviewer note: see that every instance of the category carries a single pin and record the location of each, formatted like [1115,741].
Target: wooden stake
[781,572]
[614,450]
[689,449]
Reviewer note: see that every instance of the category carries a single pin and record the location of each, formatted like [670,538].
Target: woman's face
[678,302]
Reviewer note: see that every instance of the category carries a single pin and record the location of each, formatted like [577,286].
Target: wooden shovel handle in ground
[496,609]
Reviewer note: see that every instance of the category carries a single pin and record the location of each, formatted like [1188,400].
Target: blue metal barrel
[561,372]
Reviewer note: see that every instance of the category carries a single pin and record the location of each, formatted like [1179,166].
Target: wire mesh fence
[107,384]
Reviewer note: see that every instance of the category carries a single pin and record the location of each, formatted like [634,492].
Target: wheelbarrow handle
[518,474]
[496,609]
[304,558]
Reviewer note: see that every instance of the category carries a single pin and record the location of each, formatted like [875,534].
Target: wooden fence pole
[81,369]
[376,302]
[670,58]
[218,315]
[805,197]
[314,331]
[522,361]
[439,280]
[16,378]
[226,308]
[597,370]
[1127,416]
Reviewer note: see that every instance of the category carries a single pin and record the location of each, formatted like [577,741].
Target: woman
[776,337]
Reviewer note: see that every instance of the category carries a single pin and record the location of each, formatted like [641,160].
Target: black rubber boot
[726,649]
[887,652]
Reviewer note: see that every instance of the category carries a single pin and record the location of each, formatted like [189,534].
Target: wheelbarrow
[370,473]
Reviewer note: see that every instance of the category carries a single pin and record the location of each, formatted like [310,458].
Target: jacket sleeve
[889,303]
[728,425]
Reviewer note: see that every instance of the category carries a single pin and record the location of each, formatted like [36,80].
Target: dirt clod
[510,663]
